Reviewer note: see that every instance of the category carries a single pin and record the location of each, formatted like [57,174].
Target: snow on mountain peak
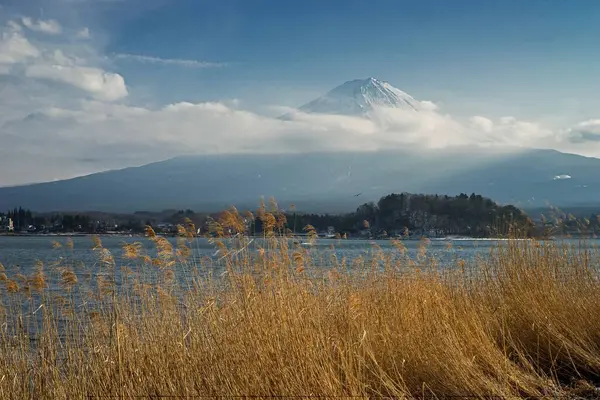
[359,97]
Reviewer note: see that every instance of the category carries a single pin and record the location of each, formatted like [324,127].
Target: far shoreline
[300,236]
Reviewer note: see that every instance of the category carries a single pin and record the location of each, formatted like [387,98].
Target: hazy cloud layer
[584,132]
[117,135]
[168,61]
[83,33]
[101,84]
[51,27]
[15,48]
[481,124]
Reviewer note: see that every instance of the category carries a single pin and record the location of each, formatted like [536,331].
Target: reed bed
[264,321]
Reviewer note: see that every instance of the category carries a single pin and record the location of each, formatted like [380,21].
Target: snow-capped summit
[359,97]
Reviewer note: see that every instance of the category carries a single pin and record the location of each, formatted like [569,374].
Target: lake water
[20,253]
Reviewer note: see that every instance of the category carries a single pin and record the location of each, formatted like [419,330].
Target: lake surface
[20,253]
[20,256]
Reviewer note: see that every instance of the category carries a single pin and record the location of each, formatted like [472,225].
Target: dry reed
[523,322]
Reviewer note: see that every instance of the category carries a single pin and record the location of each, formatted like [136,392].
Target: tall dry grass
[271,322]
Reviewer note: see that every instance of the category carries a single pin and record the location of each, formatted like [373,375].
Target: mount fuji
[359,97]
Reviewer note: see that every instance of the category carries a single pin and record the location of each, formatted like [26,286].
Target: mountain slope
[359,97]
[322,182]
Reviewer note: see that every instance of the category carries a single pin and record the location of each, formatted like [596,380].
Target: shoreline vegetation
[523,322]
[395,216]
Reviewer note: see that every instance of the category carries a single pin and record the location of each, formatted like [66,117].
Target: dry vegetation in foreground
[525,322]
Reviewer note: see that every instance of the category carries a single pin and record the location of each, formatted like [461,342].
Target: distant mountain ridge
[320,182]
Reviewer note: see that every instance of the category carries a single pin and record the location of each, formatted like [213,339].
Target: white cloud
[116,135]
[57,62]
[94,111]
[15,48]
[61,59]
[429,105]
[51,27]
[83,34]
[523,132]
[483,124]
[583,132]
[168,61]
[426,128]
[99,83]
[333,122]
[58,57]
[511,132]
[562,177]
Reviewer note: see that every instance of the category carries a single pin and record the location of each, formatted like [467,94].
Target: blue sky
[528,59]
[513,55]
[524,72]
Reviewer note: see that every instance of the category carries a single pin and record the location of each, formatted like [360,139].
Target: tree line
[423,215]
[24,220]
[393,215]
[557,222]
